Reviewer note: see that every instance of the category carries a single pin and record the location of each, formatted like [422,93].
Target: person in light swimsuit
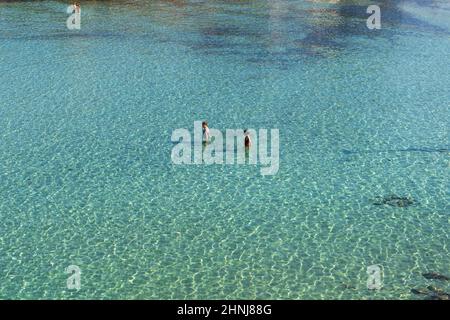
[205,129]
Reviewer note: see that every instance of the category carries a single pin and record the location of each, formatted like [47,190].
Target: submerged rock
[432,293]
[435,290]
[436,297]
[438,294]
[435,276]
[348,286]
[420,291]
[395,201]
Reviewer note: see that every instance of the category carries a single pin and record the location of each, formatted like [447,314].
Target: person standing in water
[247,140]
[205,129]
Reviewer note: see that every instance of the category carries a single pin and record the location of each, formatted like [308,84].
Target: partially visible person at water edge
[76,7]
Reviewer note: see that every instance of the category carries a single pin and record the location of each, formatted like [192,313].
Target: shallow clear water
[86,176]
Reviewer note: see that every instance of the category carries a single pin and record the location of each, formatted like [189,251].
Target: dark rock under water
[395,201]
[432,293]
[435,276]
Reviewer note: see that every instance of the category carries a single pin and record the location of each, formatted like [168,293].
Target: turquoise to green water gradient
[86,176]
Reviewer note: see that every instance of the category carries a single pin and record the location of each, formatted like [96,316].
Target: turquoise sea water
[86,176]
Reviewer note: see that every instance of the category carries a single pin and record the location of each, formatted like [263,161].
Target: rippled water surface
[86,176]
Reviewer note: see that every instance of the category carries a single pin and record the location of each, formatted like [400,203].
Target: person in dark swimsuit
[247,141]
